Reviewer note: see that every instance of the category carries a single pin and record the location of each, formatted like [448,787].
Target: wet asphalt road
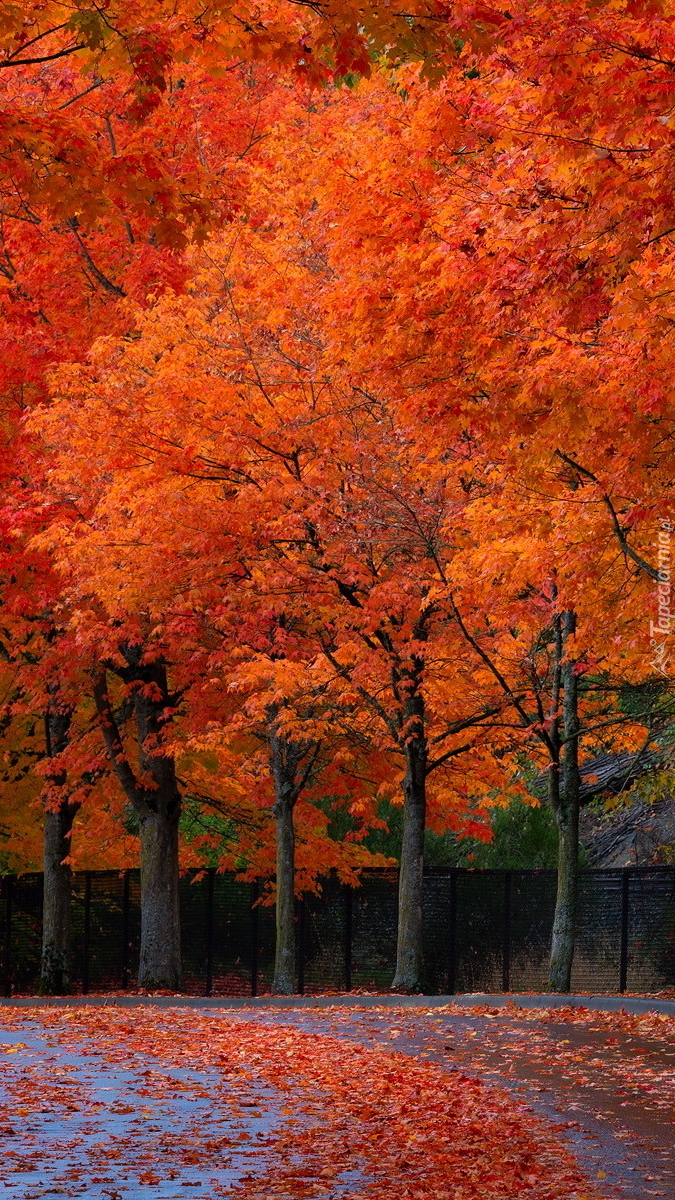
[623,1139]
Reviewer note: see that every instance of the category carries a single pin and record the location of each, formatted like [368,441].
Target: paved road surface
[624,1139]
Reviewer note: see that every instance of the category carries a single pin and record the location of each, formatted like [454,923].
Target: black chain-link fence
[485,931]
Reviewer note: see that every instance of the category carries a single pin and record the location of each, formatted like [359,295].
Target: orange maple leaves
[425,363]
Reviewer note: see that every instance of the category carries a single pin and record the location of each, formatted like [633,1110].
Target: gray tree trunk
[158,807]
[292,765]
[159,814]
[160,957]
[567,819]
[284,956]
[409,949]
[55,964]
[58,823]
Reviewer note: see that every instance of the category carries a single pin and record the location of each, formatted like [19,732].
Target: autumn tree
[552,616]
[55,309]
[488,260]
[282,740]
[85,153]
[383,541]
[354,542]
[550,360]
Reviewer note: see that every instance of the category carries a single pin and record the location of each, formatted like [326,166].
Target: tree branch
[620,533]
[96,272]
[506,688]
[31,62]
[459,726]
[113,742]
[371,702]
[437,762]
[99,83]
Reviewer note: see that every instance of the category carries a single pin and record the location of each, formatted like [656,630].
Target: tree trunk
[292,765]
[409,952]
[157,804]
[567,819]
[55,966]
[160,957]
[159,814]
[58,824]
[286,758]
[284,957]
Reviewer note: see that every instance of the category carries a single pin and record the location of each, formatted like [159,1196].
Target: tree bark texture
[409,946]
[291,764]
[285,757]
[55,967]
[285,951]
[160,957]
[155,797]
[567,819]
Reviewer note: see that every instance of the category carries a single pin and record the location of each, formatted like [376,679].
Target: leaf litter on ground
[118,1105]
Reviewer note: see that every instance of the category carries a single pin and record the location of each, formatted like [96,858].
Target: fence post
[300,946]
[506,934]
[452,932]
[209,930]
[7,955]
[255,892]
[623,957]
[126,895]
[349,899]
[87,931]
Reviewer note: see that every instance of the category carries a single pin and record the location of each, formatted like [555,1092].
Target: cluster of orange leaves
[338,353]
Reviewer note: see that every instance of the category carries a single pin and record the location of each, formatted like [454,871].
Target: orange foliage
[410,400]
